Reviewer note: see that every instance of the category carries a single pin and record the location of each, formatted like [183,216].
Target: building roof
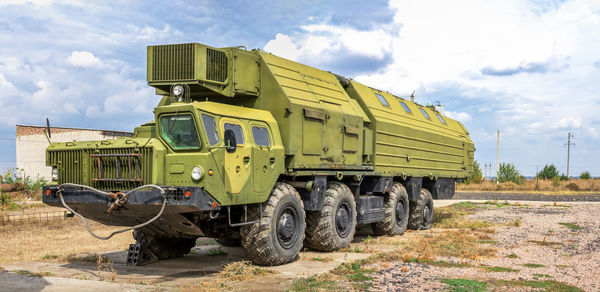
[33,130]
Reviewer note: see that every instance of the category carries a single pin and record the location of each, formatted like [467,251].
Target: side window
[382,99]
[406,109]
[425,114]
[237,130]
[261,136]
[441,119]
[211,129]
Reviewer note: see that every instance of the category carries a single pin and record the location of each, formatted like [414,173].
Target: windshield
[179,131]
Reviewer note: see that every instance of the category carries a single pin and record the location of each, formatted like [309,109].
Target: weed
[354,271]
[458,284]
[216,252]
[563,266]
[357,249]
[488,241]
[530,265]
[450,217]
[547,285]
[105,264]
[512,256]
[542,276]
[572,226]
[33,274]
[50,256]
[322,259]
[242,271]
[8,203]
[368,239]
[312,283]
[499,269]
[545,243]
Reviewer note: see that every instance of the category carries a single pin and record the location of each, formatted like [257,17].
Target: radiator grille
[173,62]
[70,164]
[216,65]
[82,167]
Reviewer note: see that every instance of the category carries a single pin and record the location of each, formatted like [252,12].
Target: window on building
[382,99]
[425,114]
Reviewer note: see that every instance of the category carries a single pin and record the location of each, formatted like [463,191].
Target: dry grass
[545,186]
[243,271]
[60,240]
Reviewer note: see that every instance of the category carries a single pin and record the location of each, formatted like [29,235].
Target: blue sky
[528,68]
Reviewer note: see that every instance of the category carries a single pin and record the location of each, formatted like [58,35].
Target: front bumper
[141,206]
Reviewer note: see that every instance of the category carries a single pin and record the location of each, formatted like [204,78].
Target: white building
[31,145]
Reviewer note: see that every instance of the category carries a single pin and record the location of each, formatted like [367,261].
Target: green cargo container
[263,152]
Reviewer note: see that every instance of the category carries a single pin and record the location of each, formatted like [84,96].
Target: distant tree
[585,175]
[476,176]
[508,172]
[548,172]
[563,177]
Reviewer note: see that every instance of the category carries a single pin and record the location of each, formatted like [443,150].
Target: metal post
[569,152]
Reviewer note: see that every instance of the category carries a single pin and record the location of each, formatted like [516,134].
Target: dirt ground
[475,246]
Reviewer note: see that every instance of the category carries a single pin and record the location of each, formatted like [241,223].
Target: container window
[425,114]
[261,136]
[406,108]
[441,119]
[179,131]
[237,130]
[211,129]
[382,99]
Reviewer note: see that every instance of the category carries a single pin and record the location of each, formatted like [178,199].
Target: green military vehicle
[263,152]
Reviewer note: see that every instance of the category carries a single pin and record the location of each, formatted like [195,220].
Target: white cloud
[84,59]
[459,116]
[282,46]
[569,123]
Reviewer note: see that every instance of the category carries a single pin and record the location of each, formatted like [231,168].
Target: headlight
[54,173]
[178,90]
[197,173]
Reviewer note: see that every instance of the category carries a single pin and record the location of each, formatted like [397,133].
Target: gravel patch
[540,249]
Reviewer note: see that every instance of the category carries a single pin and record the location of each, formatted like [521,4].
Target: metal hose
[87,226]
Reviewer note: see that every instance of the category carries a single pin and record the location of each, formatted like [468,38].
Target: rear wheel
[421,212]
[332,227]
[277,238]
[396,213]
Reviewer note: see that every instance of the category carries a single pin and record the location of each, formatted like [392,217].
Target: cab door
[237,163]
[264,158]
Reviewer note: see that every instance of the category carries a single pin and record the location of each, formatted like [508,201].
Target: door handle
[246,159]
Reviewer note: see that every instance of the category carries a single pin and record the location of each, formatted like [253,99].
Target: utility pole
[497,155]
[569,152]
[537,175]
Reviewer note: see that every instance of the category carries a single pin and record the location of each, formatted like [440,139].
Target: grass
[512,256]
[529,186]
[459,284]
[451,216]
[499,269]
[312,283]
[530,265]
[572,226]
[34,274]
[322,259]
[542,276]
[60,240]
[213,252]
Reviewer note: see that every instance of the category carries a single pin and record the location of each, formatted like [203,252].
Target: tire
[421,212]
[396,213]
[277,238]
[333,227]
[165,248]
[227,241]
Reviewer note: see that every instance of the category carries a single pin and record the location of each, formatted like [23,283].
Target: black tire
[165,248]
[396,213]
[334,226]
[227,241]
[421,212]
[277,238]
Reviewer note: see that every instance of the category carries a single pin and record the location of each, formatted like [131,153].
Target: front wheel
[277,238]
[421,212]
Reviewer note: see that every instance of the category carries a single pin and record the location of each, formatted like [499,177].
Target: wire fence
[24,218]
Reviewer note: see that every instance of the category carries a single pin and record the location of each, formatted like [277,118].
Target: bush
[548,172]
[508,172]
[563,177]
[7,202]
[476,175]
[10,177]
[585,175]
[572,187]
[555,182]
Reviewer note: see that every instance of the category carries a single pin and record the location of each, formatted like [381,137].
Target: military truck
[263,152]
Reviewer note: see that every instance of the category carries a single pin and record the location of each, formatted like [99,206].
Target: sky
[530,69]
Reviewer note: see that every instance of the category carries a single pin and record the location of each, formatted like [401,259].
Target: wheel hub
[287,226]
[400,213]
[343,219]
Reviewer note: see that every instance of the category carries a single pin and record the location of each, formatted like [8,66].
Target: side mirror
[230,142]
